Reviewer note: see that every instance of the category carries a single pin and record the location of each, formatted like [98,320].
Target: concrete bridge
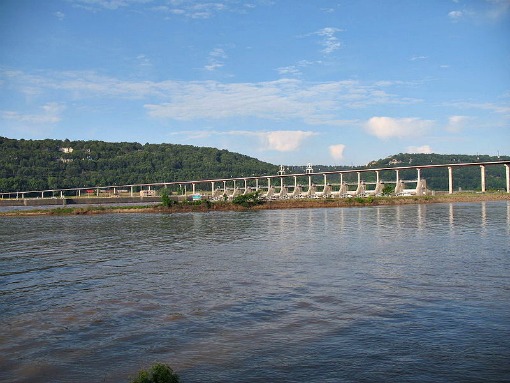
[279,186]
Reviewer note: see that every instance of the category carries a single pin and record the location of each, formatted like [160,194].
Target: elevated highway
[333,184]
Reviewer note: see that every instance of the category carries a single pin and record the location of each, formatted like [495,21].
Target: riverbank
[206,206]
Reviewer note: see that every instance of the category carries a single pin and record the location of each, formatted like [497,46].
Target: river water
[417,293]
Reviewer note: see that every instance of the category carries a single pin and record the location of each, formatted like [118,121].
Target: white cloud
[215,60]
[337,151]
[50,114]
[456,123]
[490,10]
[329,41]
[278,140]
[387,127]
[285,140]
[424,149]
[285,99]
[59,15]
[456,15]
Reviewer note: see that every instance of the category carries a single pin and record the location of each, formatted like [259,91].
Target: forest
[55,164]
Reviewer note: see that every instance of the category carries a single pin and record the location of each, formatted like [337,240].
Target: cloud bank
[387,127]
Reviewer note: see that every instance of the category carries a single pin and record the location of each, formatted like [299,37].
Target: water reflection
[354,294]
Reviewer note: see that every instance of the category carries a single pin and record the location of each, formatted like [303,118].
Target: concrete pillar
[359,178]
[418,174]
[309,182]
[193,188]
[245,184]
[450,180]
[131,191]
[377,176]
[224,187]
[281,183]
[507,178]
[397,177]
[42,193]
[295,182]
[341,179]
[482,175]
[325,180]
[257,184]
[212,187]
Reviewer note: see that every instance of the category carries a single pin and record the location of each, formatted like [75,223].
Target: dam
[332,184]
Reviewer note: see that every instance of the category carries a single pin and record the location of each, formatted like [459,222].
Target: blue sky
[289,82]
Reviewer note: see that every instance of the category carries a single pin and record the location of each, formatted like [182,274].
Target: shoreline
[207,206]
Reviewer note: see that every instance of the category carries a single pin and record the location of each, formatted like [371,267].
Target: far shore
[206,206]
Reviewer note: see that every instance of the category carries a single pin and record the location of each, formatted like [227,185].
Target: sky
[340,82]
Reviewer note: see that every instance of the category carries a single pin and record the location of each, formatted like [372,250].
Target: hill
[54,164]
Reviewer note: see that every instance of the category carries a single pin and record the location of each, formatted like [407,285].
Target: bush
[158,373]
[248,200]
[166,201]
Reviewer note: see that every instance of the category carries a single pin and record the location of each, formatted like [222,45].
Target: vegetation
[166,201]
[248,199]
[158,373]
[57,164]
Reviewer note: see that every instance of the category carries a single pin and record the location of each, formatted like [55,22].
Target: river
[414,293]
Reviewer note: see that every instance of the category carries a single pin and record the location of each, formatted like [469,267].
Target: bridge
[282,185]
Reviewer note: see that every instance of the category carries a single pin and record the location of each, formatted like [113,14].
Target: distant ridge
[54,164]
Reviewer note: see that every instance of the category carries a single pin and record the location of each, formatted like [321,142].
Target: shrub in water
[158,373]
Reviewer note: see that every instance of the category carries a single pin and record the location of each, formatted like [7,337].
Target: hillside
[53,164]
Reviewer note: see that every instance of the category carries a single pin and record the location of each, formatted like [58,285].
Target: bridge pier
[507,178]
[482,175]
[450,180]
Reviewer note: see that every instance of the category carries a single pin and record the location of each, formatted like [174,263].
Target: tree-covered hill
[52,164]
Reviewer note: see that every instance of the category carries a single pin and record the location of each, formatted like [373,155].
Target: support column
[418,174]
[325,180]
[281,183]
[482,175]
[359,178]
[450,180]
[193,188]
[42,193]
[397,176]
[295,182]
[507,178]
[309,182]
[341,179]
[212,188]
[131,191]
[257,184]
[224,187]
[377,177]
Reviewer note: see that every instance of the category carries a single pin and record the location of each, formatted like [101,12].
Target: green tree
[158,373]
